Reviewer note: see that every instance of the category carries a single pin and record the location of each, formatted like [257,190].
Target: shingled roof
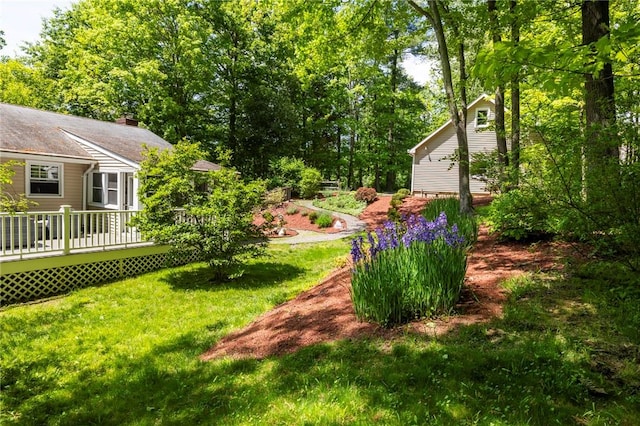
[33,131]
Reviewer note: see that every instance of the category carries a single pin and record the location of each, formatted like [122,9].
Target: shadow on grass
[253,275]
[540,364]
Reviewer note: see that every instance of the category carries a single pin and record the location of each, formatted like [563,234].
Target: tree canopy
[324,82]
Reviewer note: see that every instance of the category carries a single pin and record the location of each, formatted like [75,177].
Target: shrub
[467,224]
[286,172]
[273,198]
[304,213]
[393,214]
[395,202]
[518,215]
[291,210]
[409,271]
[403,193]
[310,181]
[268,216]
[324,220]
[366,194]
[218,225]
[313,216]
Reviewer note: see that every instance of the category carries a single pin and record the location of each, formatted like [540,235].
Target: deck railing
[65,231]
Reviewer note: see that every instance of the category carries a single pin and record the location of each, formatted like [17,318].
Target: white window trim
[105,189]
[475,122]
[27,171]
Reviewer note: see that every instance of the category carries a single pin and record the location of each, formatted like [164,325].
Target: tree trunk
[601,152]
[501,137]
[391,172]
[459,121]
[339,152]
[515,101]
[352,149]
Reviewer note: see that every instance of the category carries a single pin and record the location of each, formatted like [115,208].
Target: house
[433,169]
[81,162]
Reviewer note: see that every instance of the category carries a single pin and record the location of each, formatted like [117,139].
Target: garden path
[353,225]
[325,313]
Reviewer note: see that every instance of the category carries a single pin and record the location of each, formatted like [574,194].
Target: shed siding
[72,187]
[433,171]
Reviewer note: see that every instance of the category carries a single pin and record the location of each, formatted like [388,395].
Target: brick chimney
[127,121]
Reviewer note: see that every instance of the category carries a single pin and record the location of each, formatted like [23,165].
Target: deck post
[66,228]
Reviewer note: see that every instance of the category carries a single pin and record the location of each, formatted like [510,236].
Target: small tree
[310,182]
[11,203]
[209,212]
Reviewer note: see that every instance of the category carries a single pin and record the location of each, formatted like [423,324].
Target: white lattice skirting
[29,280]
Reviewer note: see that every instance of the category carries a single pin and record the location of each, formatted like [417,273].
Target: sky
[21,21]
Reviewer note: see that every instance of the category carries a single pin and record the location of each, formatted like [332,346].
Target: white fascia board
[20,155]
[102,150]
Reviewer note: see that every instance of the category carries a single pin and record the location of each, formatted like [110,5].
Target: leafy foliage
[310,180]
[209,212]
[286,172]
[324,220]
[293,173]
[486,167]
[368,195]
[11,202]
[518,215]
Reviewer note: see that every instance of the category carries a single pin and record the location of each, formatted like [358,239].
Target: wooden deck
[95,242]
[46,234]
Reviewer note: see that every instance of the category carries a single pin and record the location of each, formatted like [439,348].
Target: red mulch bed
[296,221]
[324,313]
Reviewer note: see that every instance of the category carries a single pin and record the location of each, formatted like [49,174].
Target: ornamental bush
[310,181]
[366,194]
[402,193]
[409,270]
[216,223]
[324,220]
[519,214]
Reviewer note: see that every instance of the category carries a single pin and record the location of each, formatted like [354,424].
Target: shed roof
[426,140]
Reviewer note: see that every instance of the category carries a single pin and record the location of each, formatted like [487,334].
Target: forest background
[322,80]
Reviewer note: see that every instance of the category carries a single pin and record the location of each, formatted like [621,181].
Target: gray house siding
[433,167]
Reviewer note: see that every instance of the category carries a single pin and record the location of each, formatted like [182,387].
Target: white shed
[432,172]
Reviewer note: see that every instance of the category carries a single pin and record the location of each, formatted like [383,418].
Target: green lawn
[566,352]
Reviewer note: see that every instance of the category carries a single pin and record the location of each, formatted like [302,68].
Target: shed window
[482,117]
[104,189]
[44,179]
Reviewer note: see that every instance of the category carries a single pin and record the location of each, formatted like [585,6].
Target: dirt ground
[324,313]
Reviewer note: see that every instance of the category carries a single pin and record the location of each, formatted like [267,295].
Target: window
[482,117]
[44,179]
[104,189]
